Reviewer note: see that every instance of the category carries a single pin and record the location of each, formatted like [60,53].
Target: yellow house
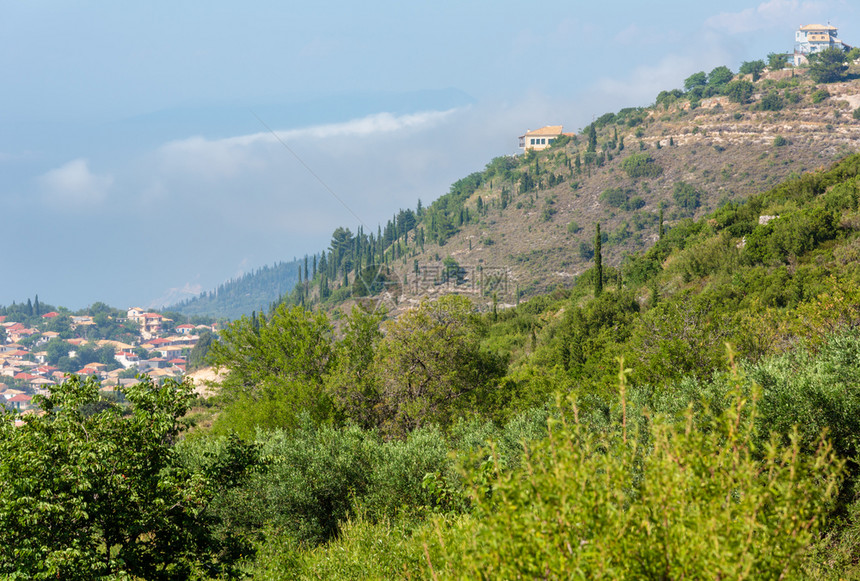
[541,138]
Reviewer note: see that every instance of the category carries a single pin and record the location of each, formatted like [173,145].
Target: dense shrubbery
[448,443]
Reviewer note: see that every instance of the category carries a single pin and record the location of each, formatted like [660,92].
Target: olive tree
[93,490]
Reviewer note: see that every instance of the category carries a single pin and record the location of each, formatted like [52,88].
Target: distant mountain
[255,291]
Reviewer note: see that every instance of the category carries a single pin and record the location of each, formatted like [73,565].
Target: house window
[543,141]
[533,140]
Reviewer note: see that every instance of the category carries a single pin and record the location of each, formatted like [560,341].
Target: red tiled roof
[51,315]
[25,376]
[21,397]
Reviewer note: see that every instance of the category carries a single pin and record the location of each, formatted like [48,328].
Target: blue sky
[134,167]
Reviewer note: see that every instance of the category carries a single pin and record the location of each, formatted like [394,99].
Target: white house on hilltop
[541,138]
[812,38]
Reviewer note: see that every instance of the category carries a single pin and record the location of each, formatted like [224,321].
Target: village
[33,353]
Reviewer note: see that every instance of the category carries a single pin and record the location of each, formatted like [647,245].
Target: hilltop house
[812,38]
[541,138]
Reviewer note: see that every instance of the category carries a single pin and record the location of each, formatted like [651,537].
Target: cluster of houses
[25,372]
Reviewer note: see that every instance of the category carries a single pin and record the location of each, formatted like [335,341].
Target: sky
[150,151]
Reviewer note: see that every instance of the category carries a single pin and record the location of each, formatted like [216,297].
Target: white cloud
[231,156]
[73,184]
[774,13]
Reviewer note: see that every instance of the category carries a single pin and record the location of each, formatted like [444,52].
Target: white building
[812,38]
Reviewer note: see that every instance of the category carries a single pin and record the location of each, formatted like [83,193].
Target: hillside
[525,224]
[722,151]
[517,410]
[241,296]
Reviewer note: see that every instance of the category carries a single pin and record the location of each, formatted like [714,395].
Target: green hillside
[529,220]
[254,291]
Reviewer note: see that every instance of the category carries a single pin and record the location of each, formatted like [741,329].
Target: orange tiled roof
[548,130]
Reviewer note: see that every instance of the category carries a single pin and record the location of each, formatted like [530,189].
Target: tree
[197,357]
[592,139]
[719,78]
[686,197]
[777,61]
[739,91]
[754,68]
[695,80]
[598,262]
[661,231]
[293,344]
[828,66]
[353,382]
[432,367]
[90,491]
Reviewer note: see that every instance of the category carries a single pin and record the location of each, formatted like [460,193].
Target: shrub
[640,165]
[615,197]
[771,102]
[779,141]
[819,95]
[573,227]
[856,113]
[686,197]
[640,500]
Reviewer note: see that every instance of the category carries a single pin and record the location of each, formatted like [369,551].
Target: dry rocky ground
[726,151]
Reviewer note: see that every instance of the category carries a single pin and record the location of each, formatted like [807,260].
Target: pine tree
[598,263]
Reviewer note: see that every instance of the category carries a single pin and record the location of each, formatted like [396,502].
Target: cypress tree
[661,231]
[592,139]
[598,263]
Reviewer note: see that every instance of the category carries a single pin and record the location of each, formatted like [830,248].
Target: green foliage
[856,114]
[197,357]
[820,95]
[573,227]
[432,367]
[754,68]
[598,261]
[828,66]
[647,503]
[615,197]
[719,78]
[292,345]
[739,91]
[352,381]
[789,235]
[275,368]
[777,61]
[773,101]
[101,494]
[686,197]
[639,165]
[696,80]
[779,141]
